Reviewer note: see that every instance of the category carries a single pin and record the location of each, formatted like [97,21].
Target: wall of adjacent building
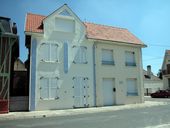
[119,72]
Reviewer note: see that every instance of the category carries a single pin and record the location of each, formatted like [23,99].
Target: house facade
[75,64]
[152,83]
[166,70]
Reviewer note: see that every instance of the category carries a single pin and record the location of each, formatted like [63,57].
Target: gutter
[94,73]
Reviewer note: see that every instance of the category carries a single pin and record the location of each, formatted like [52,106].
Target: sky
[149,20]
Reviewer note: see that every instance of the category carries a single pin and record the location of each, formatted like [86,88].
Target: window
[65,25]
[80,55]
[48,88]
[107,57]
[132,87]
[130,58]
[64,13]
[49,52]
[80,91]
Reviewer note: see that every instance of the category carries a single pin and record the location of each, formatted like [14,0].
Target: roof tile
[93,31]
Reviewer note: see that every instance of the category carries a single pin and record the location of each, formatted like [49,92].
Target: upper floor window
[49,52]
[132,89]
[80,55]
[130,58]
[48,88]
[65,25]
[107,57]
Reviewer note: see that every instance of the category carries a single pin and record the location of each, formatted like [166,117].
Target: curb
[70,112]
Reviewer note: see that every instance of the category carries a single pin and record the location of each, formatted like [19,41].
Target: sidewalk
[55,113]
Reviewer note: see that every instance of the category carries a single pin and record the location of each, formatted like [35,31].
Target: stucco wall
[66,90]
[119,72]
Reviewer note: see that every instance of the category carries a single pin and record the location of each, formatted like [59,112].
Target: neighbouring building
[166,69]
[76,64]
[9,52]
[19,89]
[152,83]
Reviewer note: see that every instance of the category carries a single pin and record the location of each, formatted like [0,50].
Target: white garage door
[109,91]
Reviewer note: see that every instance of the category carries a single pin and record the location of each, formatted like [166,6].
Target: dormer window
[65,24]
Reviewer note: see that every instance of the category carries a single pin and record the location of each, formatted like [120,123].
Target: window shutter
[53,88]
[83,55]
[107,55]
[44,52]
[44,88]
[130,58]
[131,87]
[54,51]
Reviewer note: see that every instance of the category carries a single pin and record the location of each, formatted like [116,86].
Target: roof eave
[118,42]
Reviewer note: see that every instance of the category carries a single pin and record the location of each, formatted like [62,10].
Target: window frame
[49,60]
[107,62]
[136,92]
[49,88]
[80,55]
[131,64]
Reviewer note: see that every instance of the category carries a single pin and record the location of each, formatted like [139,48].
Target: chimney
[149,72]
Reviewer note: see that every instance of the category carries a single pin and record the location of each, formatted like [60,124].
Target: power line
[158,45]
[155,58]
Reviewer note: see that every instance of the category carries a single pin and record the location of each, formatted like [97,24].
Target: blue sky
[149,20]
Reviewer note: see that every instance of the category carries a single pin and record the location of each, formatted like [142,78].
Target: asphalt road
[152,117]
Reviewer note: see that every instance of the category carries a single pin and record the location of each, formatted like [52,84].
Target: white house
[166,69]
[79,64]
[152,83]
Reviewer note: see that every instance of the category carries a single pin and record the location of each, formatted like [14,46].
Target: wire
[158,45]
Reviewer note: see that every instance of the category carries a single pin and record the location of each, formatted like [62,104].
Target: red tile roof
[93,31]
[34,23]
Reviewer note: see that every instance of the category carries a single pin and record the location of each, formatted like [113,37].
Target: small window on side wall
[132,89]
[107,57]
[130,58]
[80,56]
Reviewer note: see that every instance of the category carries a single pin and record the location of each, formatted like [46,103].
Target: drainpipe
[94,73]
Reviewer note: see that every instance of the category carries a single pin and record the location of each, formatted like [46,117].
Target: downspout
[94,73]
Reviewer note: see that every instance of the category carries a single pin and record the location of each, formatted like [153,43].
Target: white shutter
[83,55]
[53,88]
[54,56]
[131,87]
[107,55]
[44,88]
[77,98]
[85,90]
[44,52]
[77,55]
[130,58]
[80,55]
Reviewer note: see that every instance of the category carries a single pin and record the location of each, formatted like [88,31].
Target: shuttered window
[132,89]
[48,88]
[80,56]
[80,91]
[48,52]
[107,57]
[130,58]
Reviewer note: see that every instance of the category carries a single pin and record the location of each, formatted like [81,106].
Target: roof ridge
[106,25]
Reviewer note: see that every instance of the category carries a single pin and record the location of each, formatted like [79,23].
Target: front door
[108,91]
